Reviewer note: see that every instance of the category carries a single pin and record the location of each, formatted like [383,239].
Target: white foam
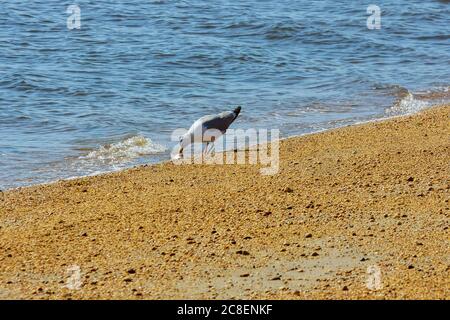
[407,105]
[125,150]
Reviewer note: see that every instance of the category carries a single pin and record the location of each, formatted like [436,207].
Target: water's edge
[359,123]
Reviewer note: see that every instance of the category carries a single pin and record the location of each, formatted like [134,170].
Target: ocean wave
[250,25]
[125,150]
[281,31]
[392,90]
[441,94]
[28,85]
[435,37]
[407,104]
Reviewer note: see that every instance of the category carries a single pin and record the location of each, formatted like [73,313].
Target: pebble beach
[359,212]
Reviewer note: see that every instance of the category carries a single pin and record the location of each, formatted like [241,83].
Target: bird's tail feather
[237,111]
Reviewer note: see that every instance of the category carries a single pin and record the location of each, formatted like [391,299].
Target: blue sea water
[108,95]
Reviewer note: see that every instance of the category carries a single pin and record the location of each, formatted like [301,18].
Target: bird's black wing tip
[237,110]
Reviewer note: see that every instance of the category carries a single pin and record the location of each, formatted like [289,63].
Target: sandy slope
[370,195]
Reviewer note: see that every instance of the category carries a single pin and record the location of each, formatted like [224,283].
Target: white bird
[208,129]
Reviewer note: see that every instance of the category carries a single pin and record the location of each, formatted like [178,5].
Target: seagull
[208,129]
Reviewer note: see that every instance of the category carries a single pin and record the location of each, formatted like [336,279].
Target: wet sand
[360,212]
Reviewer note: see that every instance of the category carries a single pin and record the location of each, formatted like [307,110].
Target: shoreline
[347,199]
[363,122]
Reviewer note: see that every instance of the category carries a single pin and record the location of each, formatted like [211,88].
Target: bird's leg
[213,139]
[213,147]
[205,151]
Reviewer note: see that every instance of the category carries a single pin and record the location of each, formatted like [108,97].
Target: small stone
[288,190]
[410,266]
[314,254]
[309,235]
[245,275]
[276,278]
[345,288]
[410,179]
[243,252]
[131,271]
